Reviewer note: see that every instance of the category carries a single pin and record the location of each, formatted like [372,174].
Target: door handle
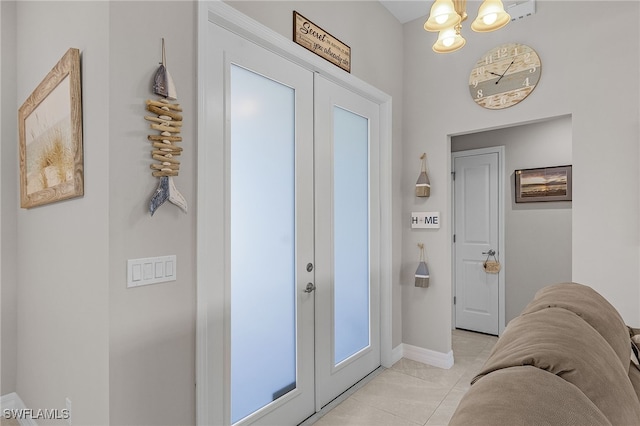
[310,288]
[491,252]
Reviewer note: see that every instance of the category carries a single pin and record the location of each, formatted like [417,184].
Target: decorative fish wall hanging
[167,121]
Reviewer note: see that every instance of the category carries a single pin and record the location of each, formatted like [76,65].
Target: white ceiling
[406,11]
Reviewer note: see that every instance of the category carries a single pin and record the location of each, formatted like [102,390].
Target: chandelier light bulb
[443,15]
[490,18]
[448,41]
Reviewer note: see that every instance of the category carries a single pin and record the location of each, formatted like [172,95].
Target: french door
[299,208]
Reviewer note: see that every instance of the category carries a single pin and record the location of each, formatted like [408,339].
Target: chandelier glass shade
[446,18]
[449,40]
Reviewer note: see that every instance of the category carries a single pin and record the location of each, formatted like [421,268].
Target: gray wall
[63,274]
[118,354]
[605,151]
[8,201]
[151,328]
[537,235]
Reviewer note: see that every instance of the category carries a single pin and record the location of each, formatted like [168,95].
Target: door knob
[491,252]
[310,288]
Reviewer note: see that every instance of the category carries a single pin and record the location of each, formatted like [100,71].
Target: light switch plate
[151,270]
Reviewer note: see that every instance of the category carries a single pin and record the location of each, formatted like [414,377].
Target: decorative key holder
[167,121]
[491,266]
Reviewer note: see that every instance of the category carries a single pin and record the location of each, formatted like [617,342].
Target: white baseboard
[12,401]
[396,354]
[427,356]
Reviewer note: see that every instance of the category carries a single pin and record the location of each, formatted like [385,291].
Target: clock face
[504,76]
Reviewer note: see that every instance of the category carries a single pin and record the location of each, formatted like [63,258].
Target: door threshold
[342,397]
[475,331]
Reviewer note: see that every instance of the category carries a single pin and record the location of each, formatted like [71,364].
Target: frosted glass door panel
[350,233]
[347,239]
[263,303]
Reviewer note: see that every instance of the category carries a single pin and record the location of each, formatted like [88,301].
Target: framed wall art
[315,39]
[543,184]
[50,131]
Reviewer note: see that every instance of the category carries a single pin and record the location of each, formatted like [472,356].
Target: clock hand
[491,72]
[505,71]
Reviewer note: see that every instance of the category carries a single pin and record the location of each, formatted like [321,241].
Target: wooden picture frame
[543,184]
[50,132]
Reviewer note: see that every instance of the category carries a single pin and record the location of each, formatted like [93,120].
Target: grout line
[342,397]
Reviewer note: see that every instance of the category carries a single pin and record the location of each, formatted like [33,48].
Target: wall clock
[504,76]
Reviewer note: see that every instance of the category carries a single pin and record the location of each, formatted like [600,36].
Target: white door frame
[211,400]
[501,227]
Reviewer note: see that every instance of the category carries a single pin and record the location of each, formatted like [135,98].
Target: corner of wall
[8,197]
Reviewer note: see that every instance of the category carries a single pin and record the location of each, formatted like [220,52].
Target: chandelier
[447,16]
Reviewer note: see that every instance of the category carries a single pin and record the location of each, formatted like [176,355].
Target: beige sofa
[566,360]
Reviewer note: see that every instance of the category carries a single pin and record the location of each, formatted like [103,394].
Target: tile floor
[411,393]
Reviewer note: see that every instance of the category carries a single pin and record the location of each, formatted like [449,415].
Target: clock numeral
[474,83]
[503,53]
[480,71]
[533,69]
[488,60]
[479,94]
[526,82]
[527,57]
[515,51]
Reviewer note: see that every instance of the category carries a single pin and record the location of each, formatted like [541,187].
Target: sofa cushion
[591,307]
[559,341]
[526,396]
[634,376]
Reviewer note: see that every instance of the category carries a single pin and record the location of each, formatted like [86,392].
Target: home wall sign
[312,37]
[425,220]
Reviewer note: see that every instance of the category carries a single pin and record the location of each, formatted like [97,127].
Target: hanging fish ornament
[167,120]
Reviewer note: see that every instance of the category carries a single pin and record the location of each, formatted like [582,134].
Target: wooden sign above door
[312,37]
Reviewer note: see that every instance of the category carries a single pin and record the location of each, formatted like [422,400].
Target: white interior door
[477,198]
[347,239]
[293,339]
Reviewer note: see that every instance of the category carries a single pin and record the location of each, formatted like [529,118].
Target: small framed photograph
[50,130]
[543,184]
